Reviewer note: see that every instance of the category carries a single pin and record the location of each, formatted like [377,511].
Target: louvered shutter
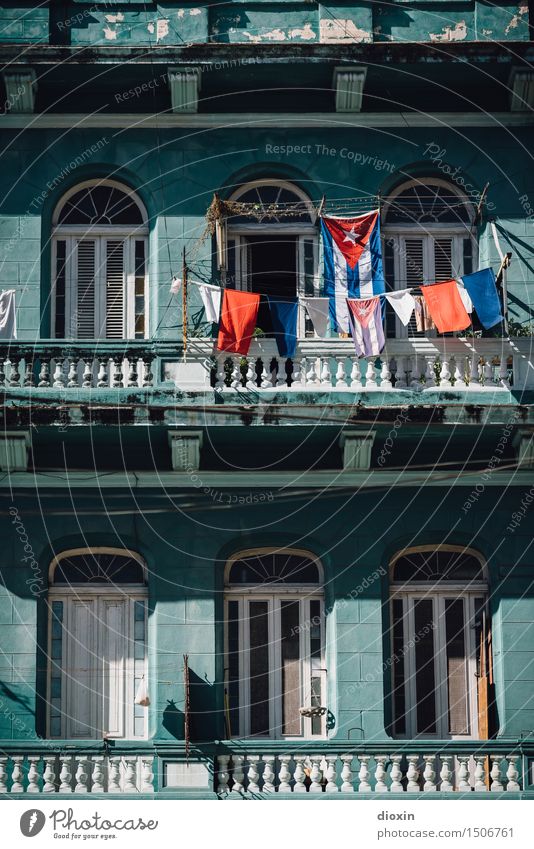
[414,273]
[114,283]
[85,289]
[442,259]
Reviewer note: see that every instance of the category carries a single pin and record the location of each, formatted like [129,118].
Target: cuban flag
[352,263]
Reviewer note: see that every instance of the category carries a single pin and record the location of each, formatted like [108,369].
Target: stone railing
[55,772]
[417,769]
[415,365]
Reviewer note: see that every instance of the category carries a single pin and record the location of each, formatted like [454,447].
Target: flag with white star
[352,263]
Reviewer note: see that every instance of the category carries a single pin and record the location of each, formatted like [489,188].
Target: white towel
[465,296]
[318,310]
[403,303]
[176,285]
[8,315]
[211,298]
[141,697]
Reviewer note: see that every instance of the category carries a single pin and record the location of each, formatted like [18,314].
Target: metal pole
[184,306]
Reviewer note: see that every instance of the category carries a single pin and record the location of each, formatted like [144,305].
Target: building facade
[226,575]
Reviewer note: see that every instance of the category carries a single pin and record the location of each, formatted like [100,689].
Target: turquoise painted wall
[355,539]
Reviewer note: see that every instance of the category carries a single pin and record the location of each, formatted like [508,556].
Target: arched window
[428,236]
[440,644]
[100,263]
[97,644]
[273,249]
[275,667]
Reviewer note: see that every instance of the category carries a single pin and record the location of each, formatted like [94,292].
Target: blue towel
[284,318]
[483,292]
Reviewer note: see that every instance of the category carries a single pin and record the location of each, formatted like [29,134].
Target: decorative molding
[521,87]
[185,449]
[523,442]
[14,451]
[21,88]
[348,84]
[184,85]
[357,446]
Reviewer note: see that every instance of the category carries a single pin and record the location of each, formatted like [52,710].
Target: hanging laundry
[445,306]
[141,696]
[238,320]
[483,291]
[352,263]
[211,298]
[466,299]
[284,314]
[403,303]
[176,285]
[423,320]
[318,310]
[8,315]
[366,324]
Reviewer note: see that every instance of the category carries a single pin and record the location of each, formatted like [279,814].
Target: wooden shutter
[443,266]
[113,651]
[114,282]
[414,273]
[85,289]
[80,674]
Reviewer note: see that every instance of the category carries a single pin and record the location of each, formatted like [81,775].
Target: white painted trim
[273,120]
[255,552]
[94,549]
[86,184]
[414,549]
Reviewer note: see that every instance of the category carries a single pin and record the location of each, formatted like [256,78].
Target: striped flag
[352,263]
[365,320]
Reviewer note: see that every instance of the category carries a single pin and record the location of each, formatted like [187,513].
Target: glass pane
[232,695]
[456,666]
[139,289]
[100,205]
[98,568]
[467,256]
[397,665]
[425,681]
[438,566]
[274,567]
[291,685]
[61,248]
[259,667]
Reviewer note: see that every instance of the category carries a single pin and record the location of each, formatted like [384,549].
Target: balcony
[424,369]
[234,769]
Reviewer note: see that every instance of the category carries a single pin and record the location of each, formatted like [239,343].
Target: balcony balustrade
[411,365]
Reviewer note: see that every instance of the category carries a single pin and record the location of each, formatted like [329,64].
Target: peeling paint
[150,28]
[516,20]
[162,28]
[458,33]
[306,33]
[110,34]
[115,19]
[487,32]
[337,30]
[194,12]
[181,13]
[273,35]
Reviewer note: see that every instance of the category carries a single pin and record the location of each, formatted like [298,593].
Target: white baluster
[59,374]
[49,774]
[504,378]
[147,774]
[445,377]
[44,373]
[251,372]
[446,774]
[429,774]
[16,775]
[459,373]
[316,775]
[370,375]
[237,773]
[268,774]
[117,372]
[430,374]
[356,375]
[98,775]
[331,775]
[400,373]
[146,365]
[480,775]
[415,373]
[72,375]
[488,372]
[346,774]
[82,774]
[385,375]
[304,371]
[3,381]
[380,774]
[299,775]
[512,774]
[14,377]
[463,774]
[284,774]
[495,774]
[412,774]
[363,775]
[3,775]
[220,373]
[396,774]
[325,370]
[253,774]
[280,374]
[266,376]
[33,774]
[130,785]
[223,775]
[341,376]
[236,383]
[114,775]
[28,372]
[65,776]
[87,377]
[296,373]
[311,376]
[102,377]
[474,375]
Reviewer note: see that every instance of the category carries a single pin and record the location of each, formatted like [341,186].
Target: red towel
[238,321]
[445,306]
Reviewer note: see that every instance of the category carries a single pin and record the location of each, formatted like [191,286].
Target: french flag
[352,263]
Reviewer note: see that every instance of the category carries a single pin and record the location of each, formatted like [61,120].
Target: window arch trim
[273,587]
[435,586]
[138,229]
[283,226]
[96,587]
[428,180]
